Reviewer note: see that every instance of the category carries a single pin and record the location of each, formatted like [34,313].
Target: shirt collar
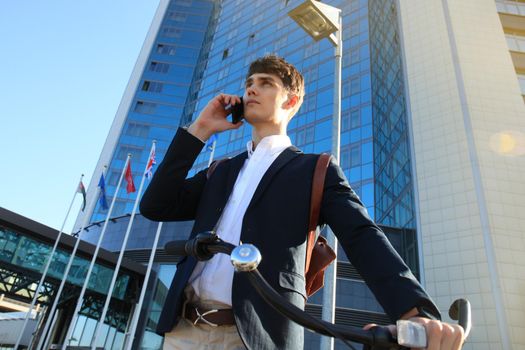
[270,145]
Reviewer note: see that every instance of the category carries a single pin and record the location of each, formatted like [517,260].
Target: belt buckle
[201,317]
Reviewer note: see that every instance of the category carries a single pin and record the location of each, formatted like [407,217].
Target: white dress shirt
[212,279]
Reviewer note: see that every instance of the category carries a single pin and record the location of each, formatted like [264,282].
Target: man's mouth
[251,102]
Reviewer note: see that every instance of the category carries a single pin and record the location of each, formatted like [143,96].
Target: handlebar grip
[382,337]
[460,311]
[176,248]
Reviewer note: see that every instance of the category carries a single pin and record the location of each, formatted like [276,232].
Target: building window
[136,129]
[280,43]
[350,157]
[248,60]
[177,16]
[225,54]
[159,67]
[171,32]
[305,135]
[236,134]
[232,33]
[352,87]
[516,7]
[223,73]
[113,178]
[251,39]
[515,42]
[521,79]
[119,207]
[352,57]
[125,150]
[310,103]
[350,120]
[281,22]
[236,16]
[166,49]
[257,19]
[145,107]
[152,86]
[310,74]
[185,3]
[311,50]
[351,30]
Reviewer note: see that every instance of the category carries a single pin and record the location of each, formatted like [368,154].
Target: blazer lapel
[285,156]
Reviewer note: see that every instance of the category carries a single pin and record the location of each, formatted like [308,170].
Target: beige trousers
[186,336]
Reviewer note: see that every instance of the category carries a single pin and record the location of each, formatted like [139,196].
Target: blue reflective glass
[367,152]
[368,171]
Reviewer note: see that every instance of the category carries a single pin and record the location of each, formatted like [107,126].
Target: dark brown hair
[293,80]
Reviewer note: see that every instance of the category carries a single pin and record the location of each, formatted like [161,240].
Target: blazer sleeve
[369,251]
[170,196]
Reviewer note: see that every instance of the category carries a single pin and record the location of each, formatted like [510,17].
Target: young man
[262,196]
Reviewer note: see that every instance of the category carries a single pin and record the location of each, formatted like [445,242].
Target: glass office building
[200,48]
[157,106]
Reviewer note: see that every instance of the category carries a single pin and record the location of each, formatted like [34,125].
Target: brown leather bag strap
[315,203]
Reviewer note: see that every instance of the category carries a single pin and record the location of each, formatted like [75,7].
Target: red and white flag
[129,179]
[151,162]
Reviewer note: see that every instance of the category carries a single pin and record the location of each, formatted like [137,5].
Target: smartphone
[237,112]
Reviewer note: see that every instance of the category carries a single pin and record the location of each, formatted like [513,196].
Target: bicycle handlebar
[246,258]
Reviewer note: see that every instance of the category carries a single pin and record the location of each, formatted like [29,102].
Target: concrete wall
[468,126]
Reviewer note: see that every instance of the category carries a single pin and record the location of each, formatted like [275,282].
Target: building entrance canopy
[25,246]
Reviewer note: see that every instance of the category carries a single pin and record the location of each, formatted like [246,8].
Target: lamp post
[320,21]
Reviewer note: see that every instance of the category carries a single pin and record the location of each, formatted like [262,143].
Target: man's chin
[251,118]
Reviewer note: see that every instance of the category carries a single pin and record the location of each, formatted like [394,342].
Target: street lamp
[324,21]
[317,19]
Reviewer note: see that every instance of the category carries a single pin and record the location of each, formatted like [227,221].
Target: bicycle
[246,258]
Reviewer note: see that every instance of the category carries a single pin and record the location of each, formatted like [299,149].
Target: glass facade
[241,38]
[204,48]
[159,101]
[23,258]
[26,253]
[394,196]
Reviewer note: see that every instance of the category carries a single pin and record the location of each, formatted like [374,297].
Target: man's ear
[291,102]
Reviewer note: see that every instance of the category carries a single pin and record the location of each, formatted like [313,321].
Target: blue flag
[211,140]
[102,199]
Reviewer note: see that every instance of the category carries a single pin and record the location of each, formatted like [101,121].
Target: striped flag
[129,179]
[151,162]
[82,190]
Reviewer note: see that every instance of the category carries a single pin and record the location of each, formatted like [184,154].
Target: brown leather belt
[212,317]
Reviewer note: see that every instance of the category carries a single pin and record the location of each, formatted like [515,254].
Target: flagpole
[136,314]
[93,260]
[120,256]
[212,152]
[48,263]
[64,278]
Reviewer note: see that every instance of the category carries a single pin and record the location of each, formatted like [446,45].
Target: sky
[64,66]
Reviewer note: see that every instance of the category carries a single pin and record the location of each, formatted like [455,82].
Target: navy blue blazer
[276,221]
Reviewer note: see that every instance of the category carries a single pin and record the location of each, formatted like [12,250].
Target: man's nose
[251,90]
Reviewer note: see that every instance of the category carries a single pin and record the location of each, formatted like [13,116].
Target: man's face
[265,99]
